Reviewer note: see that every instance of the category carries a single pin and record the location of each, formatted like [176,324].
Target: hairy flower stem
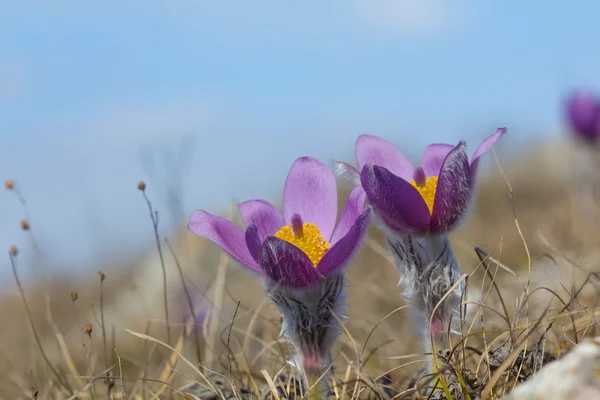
[428,271]
[308,323]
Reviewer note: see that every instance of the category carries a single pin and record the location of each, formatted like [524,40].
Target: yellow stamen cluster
[308,239]
[427,191]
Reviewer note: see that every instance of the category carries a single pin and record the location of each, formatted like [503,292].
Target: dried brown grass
[547,245]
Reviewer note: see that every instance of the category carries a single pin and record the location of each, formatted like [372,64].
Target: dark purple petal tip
[454,191]
[395,200]
[286,265]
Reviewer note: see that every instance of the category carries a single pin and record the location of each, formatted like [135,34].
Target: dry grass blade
[151,339]
[487,391]
[123,392]
[271,384]
[377,324]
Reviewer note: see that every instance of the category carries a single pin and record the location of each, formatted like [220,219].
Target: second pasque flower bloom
[431,198]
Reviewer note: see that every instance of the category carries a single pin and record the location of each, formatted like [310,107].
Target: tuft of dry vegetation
[531,262]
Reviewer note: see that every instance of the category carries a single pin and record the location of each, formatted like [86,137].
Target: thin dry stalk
[59,379]
[229,352]
[26,226]
[104,344]
[123,392]
[375,327]
[155,220]
[88,356]
[190,303]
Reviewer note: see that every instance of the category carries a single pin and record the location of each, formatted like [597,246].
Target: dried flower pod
[88,328]
[9,185]
[24,225]
[141,186]
[13,251]
[101,275]
[74,295]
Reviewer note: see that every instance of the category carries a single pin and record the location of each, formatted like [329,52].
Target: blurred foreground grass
[542,246]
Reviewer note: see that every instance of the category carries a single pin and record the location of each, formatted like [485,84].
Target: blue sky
[237,90]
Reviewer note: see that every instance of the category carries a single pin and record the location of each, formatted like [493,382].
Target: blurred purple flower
[432,198]
[583,114]
[298,248]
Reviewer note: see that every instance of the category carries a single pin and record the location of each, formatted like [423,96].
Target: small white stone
[575,376]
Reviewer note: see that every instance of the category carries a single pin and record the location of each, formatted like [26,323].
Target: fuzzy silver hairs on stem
[309,324]
[429,275]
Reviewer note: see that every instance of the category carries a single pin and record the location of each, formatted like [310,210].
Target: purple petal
[264,215]
[253,242]
[348,172]
[454,191]
[433,157]
[310,191]
[378,151]
[225,234]
[339,254]
[398,203]
[583,114]
[484,147]
[353,208]
[287,265]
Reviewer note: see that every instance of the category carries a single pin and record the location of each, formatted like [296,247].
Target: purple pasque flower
[301,246]
[583,114]
[299,253]
[431,198]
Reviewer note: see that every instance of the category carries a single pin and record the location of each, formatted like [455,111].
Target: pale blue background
[86,86]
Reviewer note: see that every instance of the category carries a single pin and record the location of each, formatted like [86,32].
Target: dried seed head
[13,251]
[74,295]
[9,185]
[142,186]
[24,225]
[88,328]
[101,275]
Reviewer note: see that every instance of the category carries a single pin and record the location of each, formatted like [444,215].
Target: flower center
[427,190]
[306,237]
